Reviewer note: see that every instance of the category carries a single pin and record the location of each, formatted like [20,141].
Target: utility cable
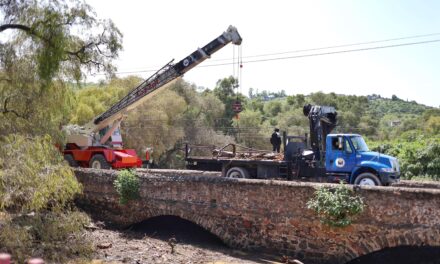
[331,52]
[336,46]
[314,49]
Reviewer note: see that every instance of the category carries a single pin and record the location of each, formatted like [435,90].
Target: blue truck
[323,157]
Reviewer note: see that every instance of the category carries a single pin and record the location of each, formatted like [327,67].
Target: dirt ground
[151,243]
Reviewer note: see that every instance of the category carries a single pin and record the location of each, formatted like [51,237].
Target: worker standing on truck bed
[275,140]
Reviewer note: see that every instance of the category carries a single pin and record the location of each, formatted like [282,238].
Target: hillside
[383,106]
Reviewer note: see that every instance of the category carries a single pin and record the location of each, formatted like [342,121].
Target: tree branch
[14,26]
[5,109]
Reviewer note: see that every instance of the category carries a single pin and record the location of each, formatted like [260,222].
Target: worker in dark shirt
[275,140]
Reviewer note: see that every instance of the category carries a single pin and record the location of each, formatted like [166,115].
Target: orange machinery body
[117,158]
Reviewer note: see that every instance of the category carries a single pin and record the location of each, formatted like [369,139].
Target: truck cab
[348,158]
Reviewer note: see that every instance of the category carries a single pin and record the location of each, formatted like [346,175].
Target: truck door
[341,157]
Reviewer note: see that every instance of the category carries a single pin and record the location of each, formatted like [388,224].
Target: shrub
[419,155]
[127,185]
[336,207]
[37,188]
[55,236]
[33,175]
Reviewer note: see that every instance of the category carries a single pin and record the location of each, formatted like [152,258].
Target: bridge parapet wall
[271,215]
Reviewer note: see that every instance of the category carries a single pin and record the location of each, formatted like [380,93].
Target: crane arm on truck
[168,73]
[322,120]
[91,144]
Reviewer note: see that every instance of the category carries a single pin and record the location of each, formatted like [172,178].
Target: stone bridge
[271,215]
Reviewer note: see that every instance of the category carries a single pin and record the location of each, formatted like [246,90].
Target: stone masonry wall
[271,215]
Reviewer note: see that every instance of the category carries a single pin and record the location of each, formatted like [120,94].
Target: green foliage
[46,45]
[61,37]
[33,175]
[418,154]
[94,100]
[336,207]
[273,108]
[224,90]
[177,113]
[252,135]
[36,189]
[432,125]
[382,106]
[158,124]
[127,185]
[29,109]
[56,236]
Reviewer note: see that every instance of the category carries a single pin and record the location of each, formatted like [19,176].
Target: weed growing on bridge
[336,207]
[127,185]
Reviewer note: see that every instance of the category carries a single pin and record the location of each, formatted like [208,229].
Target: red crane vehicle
[98,144]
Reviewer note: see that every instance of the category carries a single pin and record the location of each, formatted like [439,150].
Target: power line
[313,54]
[337,46]
[333,52]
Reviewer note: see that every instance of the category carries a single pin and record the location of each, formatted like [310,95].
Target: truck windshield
[359,144]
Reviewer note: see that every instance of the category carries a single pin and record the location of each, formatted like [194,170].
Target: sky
[157,31]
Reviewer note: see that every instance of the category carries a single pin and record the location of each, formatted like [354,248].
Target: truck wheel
[367,179]
[98,161]
[237,172]
[72,162]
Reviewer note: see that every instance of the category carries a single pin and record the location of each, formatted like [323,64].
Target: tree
[45,43]
[224,90]
[432,126]
[272,108]
[48,30]
[249,129]
[36,189]
[300,100]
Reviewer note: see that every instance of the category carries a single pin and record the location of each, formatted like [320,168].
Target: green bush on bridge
[127,185]
[336,207]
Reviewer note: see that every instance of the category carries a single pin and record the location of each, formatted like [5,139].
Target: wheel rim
[235,174]
[96,164]
[368,182]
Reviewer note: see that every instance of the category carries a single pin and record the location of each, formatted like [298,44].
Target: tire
[367,179]
[98,161]
[72,162]
[237,172]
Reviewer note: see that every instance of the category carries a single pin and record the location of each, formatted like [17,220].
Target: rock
[104,245]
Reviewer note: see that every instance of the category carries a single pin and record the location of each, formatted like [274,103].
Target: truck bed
[258,168]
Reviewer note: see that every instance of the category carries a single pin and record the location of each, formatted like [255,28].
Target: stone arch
[405,238]
[400,254]
[205,222]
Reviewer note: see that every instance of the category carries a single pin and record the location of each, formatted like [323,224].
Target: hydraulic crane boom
[90,145]
[165,75]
